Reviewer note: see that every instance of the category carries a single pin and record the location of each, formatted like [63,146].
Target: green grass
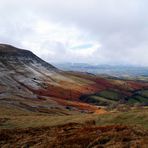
[144,93]
[132,101]
[133,118]
[43,120]
[141,99]
[137,99]
[109,95]
[100,100]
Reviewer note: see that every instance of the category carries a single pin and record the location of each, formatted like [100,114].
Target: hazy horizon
[78,31]
[97,64]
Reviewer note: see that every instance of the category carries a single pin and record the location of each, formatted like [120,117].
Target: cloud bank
[96,31]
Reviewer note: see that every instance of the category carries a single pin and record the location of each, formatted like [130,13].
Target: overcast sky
[84,31]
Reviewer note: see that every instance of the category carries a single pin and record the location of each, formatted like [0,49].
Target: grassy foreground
[114,129]
[21,119]
[110,130]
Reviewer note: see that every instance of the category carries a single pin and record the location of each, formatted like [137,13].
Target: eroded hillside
[28,82]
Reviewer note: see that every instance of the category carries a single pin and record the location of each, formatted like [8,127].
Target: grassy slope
[119,129]
[21,119]
[138,117]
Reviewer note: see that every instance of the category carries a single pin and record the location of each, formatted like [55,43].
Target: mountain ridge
[12,53]
[24,75]
[29,83]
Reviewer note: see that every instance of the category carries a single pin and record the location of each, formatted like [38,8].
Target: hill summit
[11,53]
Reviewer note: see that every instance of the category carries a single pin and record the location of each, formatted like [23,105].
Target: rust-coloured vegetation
[74,135]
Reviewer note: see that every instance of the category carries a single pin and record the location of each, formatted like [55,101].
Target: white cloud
[54,42]
[96,31]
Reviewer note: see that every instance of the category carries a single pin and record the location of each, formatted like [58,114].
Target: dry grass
[21,128]
[22,119]
[19,118]
[75,135]
[43,120]
[133,117]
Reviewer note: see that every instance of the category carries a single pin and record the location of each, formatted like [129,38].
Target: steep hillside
[42,106]
[27,82]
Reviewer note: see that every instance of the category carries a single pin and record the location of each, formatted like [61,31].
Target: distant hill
[112,70]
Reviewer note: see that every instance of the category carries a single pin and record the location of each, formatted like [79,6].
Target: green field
[144,93]
[111,95]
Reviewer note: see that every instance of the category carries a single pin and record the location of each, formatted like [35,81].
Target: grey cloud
[120,26]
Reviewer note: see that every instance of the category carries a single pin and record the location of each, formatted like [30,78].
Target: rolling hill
[113,70]
[43,106]
[27,82]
